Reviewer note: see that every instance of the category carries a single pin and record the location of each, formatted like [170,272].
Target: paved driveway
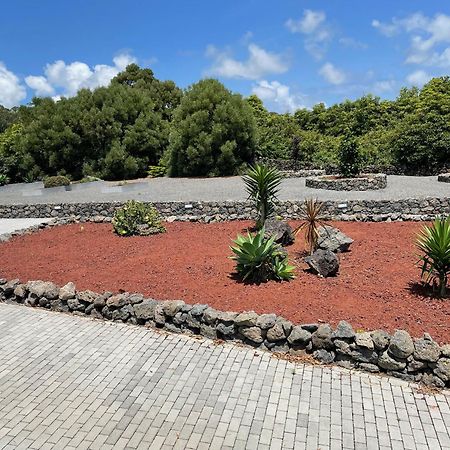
[68,382]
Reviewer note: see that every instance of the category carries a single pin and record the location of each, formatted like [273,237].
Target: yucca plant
[260,259]
[262,183]
[434,242]
[311,215]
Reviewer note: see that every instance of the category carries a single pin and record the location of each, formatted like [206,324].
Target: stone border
[444,177]
[418,360]
[364,182]
[361,210]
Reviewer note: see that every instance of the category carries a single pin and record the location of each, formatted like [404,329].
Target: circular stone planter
[444,177]
[364,182]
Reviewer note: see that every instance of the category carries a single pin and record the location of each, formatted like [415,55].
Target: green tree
[213,132]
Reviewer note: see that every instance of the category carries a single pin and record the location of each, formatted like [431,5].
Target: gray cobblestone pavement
[73,383]
[211,189]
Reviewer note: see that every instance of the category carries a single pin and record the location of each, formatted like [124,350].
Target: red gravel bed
[376,288]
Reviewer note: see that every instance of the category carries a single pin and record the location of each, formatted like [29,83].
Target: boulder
[299,336]
[323,262]
[380,339]
[9,286]
[276,333]
[20,291]
[442,369]
[324,356]
[45,289]
[343,331]
[225,330]
[425,349]
[401,345]
[266,321]
[248,319]
[386,361]
[252,334]
[364,340]
[171,307]
[333,239]
[145,310]
[67,291]
[321,338]
[280,230]
[87,297]
[210,315]
[158,313]
[116,301]
[198,309]
[445,349]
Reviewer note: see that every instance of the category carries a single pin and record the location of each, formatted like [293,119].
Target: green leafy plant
[259,259]
[434,242]
[349,157]
[137,218]
[156,171]
[56,181]
[311,222]
[262,183]
[3,179]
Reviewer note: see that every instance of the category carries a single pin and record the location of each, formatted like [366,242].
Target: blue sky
[291,53]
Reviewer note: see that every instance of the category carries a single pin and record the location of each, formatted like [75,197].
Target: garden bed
[363,182]
[377,287]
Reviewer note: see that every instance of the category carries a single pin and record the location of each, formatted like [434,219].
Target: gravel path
[68,382]
[211,189]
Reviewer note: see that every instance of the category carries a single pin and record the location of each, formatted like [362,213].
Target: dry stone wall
[399,355]
[364,210]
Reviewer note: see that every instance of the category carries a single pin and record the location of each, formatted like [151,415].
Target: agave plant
[262,184]
[311,213]
[260,259]
[434,242]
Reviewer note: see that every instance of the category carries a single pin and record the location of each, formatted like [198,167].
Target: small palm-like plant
[434,242]
[311,215]
[262,184]
[260,259]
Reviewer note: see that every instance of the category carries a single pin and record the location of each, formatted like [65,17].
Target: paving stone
[107,385]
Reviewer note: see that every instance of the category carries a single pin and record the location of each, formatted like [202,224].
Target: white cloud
[259,63]
[383,86]
[12,92]
[352,43]
[430,37]
[332,74]
[40,85]
[68,79]
[418,78]
[308,24]
[317,33]
[278,96]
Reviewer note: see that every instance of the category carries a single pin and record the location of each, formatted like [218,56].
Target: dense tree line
[118,131]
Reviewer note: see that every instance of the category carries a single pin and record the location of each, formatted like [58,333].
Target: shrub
[349,157]
[212,132]
[260,259]
[3,179]
[262,184]
[59,180]
[310,212]
[434,242]
[137,218]
[156,171]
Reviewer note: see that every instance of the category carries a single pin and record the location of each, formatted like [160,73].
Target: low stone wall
[444,177]
[302,173]
[420,360]
[364,182]
[363,210]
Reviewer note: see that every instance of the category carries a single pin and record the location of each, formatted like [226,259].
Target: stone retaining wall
[364,210]
[369,182]
[444,177]
[420,360]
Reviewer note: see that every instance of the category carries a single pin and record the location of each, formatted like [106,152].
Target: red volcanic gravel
[377,286]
